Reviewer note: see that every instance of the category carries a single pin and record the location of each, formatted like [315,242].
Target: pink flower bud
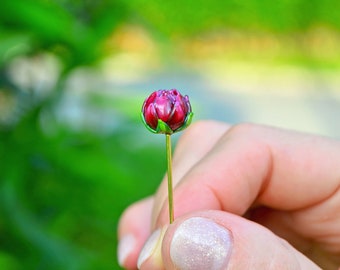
[166,111]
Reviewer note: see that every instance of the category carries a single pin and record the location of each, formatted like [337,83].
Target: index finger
[250,164]
[190,149]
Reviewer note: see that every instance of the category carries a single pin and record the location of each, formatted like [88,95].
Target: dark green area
[61,196]
[62,189]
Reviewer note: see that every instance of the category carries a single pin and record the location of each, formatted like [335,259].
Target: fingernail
[200,243]
[125,247]
[152,249]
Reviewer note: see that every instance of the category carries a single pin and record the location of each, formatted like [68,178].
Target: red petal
[178,116]
[150,116]
[163,107]
[149,100]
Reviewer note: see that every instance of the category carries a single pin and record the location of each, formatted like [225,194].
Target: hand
[246,197]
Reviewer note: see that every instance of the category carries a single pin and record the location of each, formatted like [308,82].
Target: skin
[275,190]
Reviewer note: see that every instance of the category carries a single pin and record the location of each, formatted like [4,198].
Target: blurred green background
[73,76]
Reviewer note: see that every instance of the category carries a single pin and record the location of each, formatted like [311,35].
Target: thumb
[218,240]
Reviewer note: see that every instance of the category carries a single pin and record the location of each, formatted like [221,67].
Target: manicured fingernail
[152,249]
[200,243]
[125,247]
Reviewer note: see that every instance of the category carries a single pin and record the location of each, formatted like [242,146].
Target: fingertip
[133,230]
[150,257]
[125,249]
[218,240]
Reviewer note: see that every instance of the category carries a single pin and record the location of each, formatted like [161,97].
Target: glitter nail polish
[200,244]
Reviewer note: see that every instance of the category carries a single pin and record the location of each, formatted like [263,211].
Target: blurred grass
[65,177]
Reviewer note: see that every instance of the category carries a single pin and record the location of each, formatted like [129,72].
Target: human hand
[239,192]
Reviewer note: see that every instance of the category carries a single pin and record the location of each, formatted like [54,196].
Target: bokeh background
[73,76]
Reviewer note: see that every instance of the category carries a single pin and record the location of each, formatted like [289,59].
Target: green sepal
[186,123]
[163,128]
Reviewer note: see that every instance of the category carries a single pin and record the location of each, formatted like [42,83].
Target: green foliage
[62,195]
[71,29]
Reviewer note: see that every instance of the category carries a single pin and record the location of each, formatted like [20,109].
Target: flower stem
[169,167]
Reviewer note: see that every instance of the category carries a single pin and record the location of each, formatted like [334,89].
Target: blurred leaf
[77,40]
[13,44]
